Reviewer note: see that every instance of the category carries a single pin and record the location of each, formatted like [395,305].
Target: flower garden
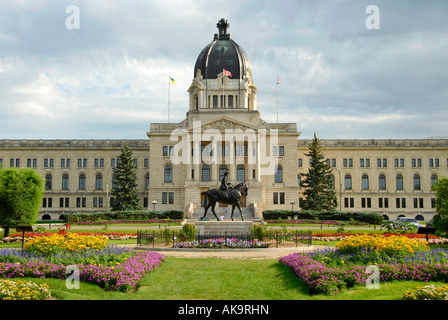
[396,257]
[48,256]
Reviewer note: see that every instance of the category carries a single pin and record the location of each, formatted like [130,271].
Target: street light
[154,202]
[292,203]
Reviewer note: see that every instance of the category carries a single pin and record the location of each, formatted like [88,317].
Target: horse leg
[233,209]
[241,212]
[206,208]
[213,210]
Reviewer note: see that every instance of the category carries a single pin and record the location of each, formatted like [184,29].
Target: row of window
[400,203]
[64,202]
[224,150]
[380,162]
[82,181]
[365,182]
[206,177]
[66,162]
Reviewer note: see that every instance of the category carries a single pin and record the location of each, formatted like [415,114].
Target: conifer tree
[318,183]
[125,195]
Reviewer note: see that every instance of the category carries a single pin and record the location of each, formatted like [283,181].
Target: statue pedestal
[224,227]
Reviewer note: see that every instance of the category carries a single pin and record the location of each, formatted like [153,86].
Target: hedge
[139,215]
[368,217]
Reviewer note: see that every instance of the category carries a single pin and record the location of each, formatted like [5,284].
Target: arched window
[168,174]
[240,173]
[433,179]
[205,173]
[382,182]
[65,181]
[82,182]
[48,182]
[417,185]
[399,181]
[278,175]
[147,181]
[365,182]
[99,182]
[348,182]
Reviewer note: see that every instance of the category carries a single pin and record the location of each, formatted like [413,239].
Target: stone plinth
[223,227]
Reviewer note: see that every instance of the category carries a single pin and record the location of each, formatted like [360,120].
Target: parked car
[403,222]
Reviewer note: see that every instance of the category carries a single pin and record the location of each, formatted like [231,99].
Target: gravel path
[268,253]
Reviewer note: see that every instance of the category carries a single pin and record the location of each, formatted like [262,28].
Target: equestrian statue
[226,194]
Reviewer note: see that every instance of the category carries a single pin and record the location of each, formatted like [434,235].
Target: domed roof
[223,53]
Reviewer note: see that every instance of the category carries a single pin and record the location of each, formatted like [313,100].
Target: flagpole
[169,86]
[278,83]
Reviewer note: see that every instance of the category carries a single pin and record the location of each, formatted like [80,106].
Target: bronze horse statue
[230,196]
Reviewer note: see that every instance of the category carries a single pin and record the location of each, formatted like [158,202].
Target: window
[418,202]
[332,182]
[168,174]
[240,173]
[300,163]
[205,173]
[416,162]
[278,175]
[99,182]
[281,150]
[164,197]
[65,181]
[48,182]
[349,202]
[165,151]
[417,185]
[82,182]
[434,162]
[230,101]
[299,181]
[282,198]
[146,162]
[399,162]
[348,182]
[399,182]
[222,169]
[381,162]
[147,181]
[114,182]
[366,202]
[171,197]
[275,197]
[215,101]
[383,202]
[433,179]
[365,182]
[382,182]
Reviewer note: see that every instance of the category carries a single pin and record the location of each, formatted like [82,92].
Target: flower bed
[126,222]
[322,279]
[49,256]
[109,235]
[23,290]
[396,257]
[220,243]
[431,292]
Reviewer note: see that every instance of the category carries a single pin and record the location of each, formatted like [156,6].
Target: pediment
[225,123]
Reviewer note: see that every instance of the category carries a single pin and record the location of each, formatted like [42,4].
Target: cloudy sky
[109,78]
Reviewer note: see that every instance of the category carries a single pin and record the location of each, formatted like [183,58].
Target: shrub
[189,231]
[368,217]
[138,215]
[259,232]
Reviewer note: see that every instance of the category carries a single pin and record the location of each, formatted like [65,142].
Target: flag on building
[172,81]
[226,73]
[278,80]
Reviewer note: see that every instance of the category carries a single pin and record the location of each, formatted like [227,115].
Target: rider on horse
[224,184]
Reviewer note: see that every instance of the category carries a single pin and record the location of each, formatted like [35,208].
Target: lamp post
[292,203]
[154,202]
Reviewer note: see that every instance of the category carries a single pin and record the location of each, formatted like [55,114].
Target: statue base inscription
[224,227]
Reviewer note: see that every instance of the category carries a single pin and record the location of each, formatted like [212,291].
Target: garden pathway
[268,253]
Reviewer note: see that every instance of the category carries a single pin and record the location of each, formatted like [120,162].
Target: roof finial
[223,25]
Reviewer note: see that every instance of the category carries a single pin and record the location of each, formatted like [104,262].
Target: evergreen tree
[441,218]
[125,195]
[318,183]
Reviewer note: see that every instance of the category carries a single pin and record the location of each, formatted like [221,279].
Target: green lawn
[223,279]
